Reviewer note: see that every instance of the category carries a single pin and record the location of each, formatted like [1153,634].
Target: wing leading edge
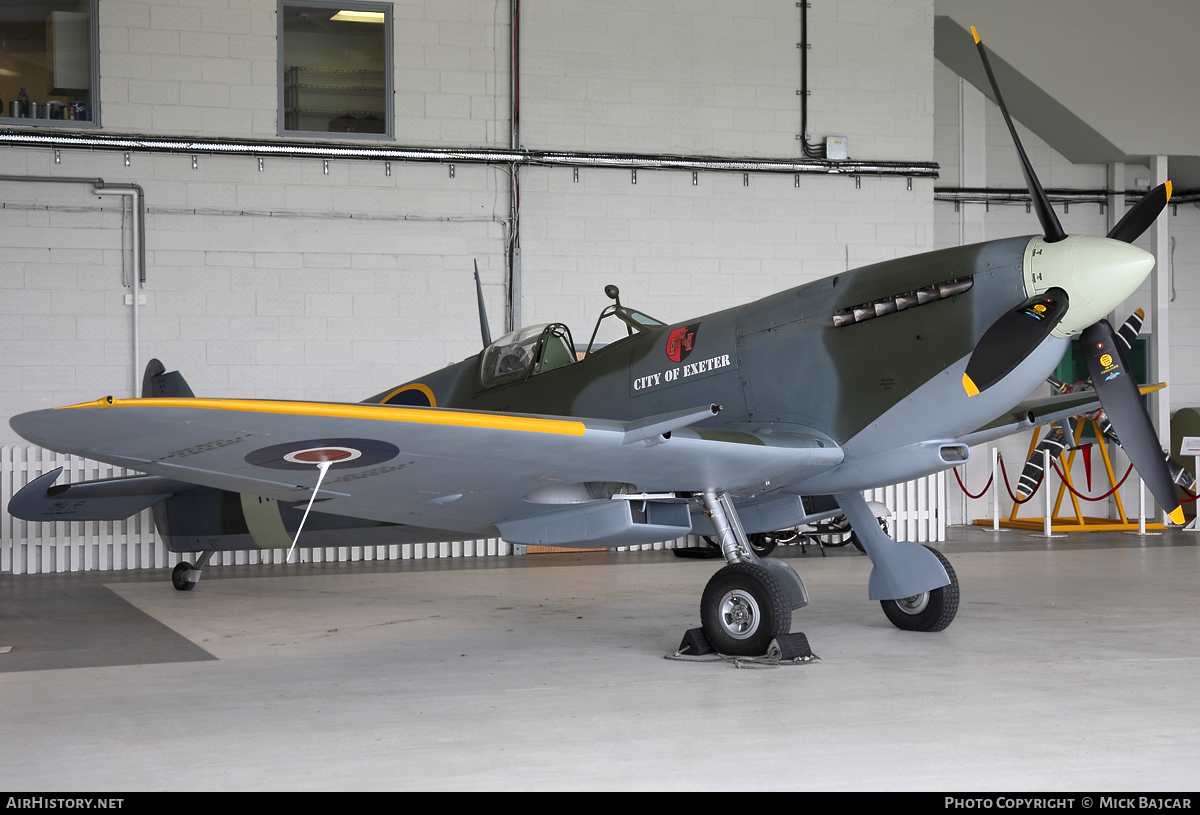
[467,471]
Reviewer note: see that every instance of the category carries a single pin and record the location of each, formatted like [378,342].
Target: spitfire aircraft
[748,420]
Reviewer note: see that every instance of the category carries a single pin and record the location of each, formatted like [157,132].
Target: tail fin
[156,382]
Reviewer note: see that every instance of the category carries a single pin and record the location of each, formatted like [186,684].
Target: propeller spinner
[1072,282]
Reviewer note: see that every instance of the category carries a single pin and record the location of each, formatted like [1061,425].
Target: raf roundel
[305,454]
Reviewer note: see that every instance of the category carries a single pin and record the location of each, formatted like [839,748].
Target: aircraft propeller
[1091,263]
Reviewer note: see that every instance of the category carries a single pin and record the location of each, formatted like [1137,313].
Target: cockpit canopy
[527,351]
[635,322]
[536,349]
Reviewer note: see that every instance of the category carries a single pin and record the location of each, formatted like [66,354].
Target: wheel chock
[785,649]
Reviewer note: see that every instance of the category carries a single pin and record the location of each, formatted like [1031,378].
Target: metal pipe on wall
[100,187]
[138,196]
[482,155]
[513,317]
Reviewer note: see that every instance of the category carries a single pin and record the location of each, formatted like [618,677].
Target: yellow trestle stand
[1077,522]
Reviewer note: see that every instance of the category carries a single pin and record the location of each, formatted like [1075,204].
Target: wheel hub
[739,614]
[915,604]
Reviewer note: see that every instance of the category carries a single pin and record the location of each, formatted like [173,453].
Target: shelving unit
[334,100]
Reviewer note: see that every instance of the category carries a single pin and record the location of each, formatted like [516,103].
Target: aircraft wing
[1040,411]
[465,471]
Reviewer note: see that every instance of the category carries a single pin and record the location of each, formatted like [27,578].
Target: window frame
[94,60]
[389,89]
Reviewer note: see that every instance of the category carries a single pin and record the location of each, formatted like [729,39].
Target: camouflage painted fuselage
[782,362]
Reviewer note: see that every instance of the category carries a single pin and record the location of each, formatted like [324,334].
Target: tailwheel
[929,610]
[744,607]
[179,576]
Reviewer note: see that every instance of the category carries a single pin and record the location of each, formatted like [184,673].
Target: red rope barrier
[1079,494]
[1190,493]
[1007,486]
[982,493]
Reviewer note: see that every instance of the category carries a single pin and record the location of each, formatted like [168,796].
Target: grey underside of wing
[491,470]
[1033,412]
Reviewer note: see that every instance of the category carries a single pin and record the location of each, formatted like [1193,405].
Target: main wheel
[929,610]
[743,608]
[178,576]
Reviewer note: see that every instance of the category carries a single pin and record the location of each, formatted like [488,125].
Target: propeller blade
[1129,330]
[1118,392]
[1013,337]
[1050,225]
[1056,442]
[1142,214]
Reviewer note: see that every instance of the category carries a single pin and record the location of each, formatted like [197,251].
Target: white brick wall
[679,250]
[722,77]
[333,294]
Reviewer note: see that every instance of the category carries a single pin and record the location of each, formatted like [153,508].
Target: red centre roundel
[315,456]
[322,455]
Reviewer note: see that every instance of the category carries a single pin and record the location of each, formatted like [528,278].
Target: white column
[1116,211]
[1160,292]
[972,112]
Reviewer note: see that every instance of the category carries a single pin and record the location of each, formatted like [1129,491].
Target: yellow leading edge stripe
[378,413]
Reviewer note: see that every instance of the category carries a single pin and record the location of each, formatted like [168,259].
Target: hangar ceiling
[1099,82]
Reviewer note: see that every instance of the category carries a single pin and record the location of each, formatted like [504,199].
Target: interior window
[47,64]
[334,63]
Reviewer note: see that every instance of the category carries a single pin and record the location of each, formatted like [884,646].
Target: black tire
[178,580]
[928,611]
[743,608]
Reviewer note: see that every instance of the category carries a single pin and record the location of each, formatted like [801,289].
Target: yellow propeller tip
[975,34]
[1169,187]
[1141,314]
[969,386]
[1176,516]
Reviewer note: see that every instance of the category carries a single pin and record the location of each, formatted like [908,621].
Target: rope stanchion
[982,492]
[1079,494]
[1192,496]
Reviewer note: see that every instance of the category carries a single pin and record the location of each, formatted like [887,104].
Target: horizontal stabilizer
[113,499]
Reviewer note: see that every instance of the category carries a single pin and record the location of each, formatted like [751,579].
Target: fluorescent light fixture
[358,16]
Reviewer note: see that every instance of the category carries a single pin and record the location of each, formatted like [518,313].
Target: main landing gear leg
[750,601]
[185,576]
[915,584]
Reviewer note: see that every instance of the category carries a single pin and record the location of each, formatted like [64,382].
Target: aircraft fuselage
[833,356]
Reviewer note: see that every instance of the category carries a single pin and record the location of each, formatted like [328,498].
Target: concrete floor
[1072,665]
